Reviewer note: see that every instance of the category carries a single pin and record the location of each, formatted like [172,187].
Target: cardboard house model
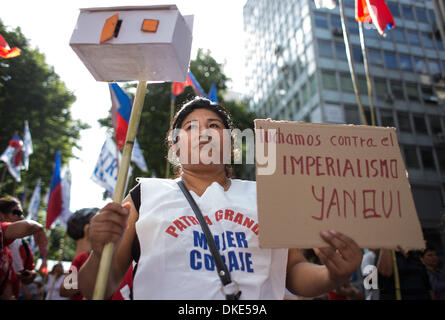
[145,43]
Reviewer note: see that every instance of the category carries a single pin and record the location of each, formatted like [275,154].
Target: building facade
[297,70]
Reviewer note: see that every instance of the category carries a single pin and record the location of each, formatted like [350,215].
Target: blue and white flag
[106,170]
[62,220]
[137,157]
[34,203]
[13,157]
[27,145]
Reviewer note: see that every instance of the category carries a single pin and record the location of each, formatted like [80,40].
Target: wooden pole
[351,65]
[107,253]
[396,276]
[172,111]
[368,77]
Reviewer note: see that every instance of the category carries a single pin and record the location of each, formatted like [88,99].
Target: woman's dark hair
[78,221]
[189,107]
[6,204]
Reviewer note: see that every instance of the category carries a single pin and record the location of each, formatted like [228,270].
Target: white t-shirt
[175,261]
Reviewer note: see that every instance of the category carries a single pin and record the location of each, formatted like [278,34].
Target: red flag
[376,12]
[5,51]
[178,87]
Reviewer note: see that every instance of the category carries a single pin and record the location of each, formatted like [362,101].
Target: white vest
[175,261]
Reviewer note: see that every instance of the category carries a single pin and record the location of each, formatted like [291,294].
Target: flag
[66,197]
[213,96]
[328,4]
[138,157]
[121,111]
[5,51]
[55,194]
[105,171]
[34,203]
[13,156]
[178,87]
[27,145]
[376,12]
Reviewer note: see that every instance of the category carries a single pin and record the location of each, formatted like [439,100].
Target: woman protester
[156,226]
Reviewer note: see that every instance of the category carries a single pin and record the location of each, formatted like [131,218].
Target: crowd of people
[161,251]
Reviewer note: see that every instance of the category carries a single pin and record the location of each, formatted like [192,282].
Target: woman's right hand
[108,225]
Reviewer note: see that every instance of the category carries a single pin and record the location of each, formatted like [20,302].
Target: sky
[49,24]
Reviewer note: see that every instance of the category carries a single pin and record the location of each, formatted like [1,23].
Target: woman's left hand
[342,258]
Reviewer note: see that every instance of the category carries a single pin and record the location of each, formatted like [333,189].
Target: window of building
[428,95]
[427,40]
[349,4]
[404,122]
[420,124]
[441,157]
[436,128]
[405,62]
[386,118]
[413,38]
[313,84]
[411,159]
[399,35]
[375,57]
[434,66]
[352,115]
[362,85]
[340,51]
[346,82]
[329,80]
[412,92]
[394,8]
[421,15]
[426,154]
[432,15]
[420,65]
[335,21]
[390,60]
[381,88]
[369,30]
[352,25]
[357,55]
[408,12]
[321,20]
[397,89]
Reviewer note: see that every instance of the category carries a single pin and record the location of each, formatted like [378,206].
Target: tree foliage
[31,90]
[155,118]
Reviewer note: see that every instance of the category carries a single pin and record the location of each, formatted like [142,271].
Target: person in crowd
[436,276]
[77,229]
[345,292]
[55,279]
[413,276]
[172,255]
[10,231]
[22,257]
[369,264]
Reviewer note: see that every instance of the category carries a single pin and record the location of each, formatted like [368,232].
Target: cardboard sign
[319,177]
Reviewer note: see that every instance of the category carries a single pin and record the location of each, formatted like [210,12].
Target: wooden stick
[172,111]
[396,276]
[351,65]
[368,77]
[107,253]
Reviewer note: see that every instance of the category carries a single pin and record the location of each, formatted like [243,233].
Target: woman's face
[202,136]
